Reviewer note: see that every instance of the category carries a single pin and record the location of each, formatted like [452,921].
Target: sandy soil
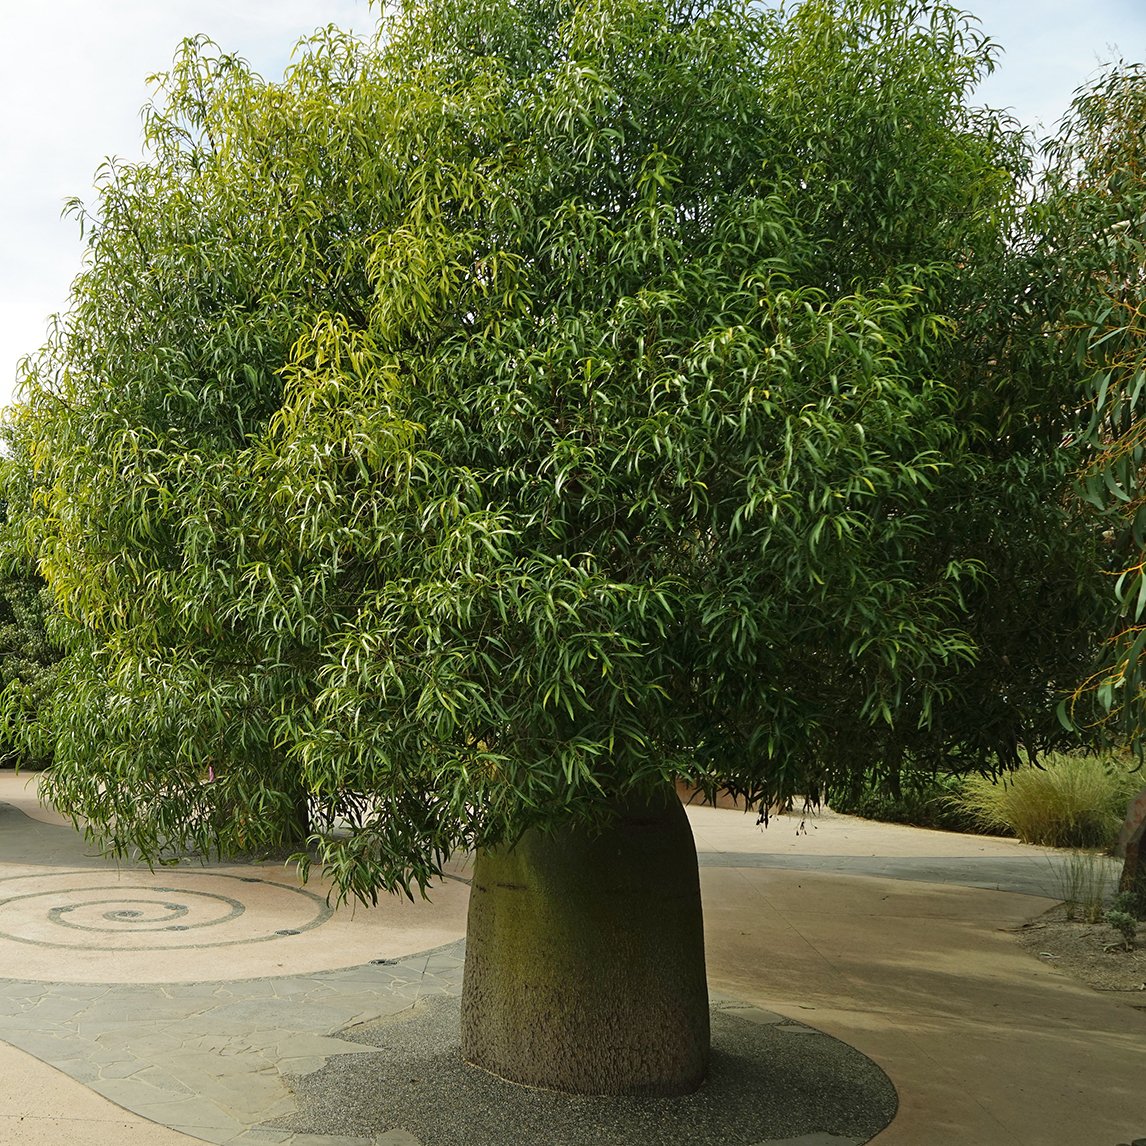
[1092,952]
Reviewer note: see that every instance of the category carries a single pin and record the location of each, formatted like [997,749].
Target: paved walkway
[167,1007]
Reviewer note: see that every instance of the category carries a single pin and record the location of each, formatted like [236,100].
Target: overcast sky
[74,79]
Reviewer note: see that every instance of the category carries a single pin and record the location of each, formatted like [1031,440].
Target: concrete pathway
[166,1007]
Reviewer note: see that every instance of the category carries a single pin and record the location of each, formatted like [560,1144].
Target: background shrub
[923,799]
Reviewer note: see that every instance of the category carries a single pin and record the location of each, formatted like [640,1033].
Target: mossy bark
[585,958]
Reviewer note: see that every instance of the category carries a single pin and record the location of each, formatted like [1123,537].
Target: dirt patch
[1092,952]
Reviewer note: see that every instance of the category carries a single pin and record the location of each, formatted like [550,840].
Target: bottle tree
[454,444]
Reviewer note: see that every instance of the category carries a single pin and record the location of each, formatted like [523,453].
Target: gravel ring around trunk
[771,1080]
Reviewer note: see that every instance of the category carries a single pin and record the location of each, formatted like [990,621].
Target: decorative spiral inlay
[141,911]
[155,915]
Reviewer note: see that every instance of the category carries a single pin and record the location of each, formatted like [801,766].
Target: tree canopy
[542,402]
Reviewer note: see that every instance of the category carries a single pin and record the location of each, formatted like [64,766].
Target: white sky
[74,75]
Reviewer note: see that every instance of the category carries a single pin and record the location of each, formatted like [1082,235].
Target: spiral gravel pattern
[142,911]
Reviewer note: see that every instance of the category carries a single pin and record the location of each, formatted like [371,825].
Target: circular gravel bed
[771,1080]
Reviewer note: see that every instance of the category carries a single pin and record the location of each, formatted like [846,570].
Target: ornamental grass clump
[1065,801]
[1084,880]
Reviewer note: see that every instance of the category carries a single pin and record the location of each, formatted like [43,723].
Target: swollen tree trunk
[585,958]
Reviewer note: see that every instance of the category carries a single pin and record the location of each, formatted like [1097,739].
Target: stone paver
[209,1059]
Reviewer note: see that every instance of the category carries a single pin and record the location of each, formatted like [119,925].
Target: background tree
[1093,217]
[465,438]
[1093,220]
[28,662]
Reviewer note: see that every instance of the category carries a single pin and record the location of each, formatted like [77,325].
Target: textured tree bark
[1129,846]
[1133,877]
[299,828]
[585,959]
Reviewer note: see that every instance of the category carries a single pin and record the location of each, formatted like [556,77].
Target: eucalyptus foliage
[540,403]
[1093,219]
